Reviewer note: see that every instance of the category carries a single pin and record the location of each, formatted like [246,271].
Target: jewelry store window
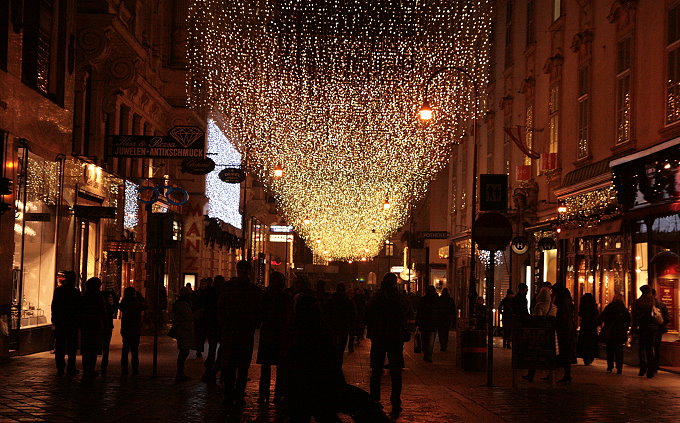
[34,239]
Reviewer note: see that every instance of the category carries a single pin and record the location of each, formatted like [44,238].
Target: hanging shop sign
[95,212]
[520,245]
[232,175]
[280,238]
[173,195]
[493,192]
[546,243]
[37,217]
[432,235]
[280,229]
[181,142]
[493,231]
[198,166]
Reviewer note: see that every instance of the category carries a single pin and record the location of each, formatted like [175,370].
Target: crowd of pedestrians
[612,326]
[305,333]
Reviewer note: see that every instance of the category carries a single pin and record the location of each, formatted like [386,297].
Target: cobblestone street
[433,392]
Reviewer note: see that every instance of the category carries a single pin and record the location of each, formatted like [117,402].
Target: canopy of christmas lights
[329,90]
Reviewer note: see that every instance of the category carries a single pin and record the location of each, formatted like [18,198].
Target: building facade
[582,115]
[73,75]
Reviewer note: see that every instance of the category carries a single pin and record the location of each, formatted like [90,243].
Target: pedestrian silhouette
[93,322]
[446,317]
[66,305]
[277,314]
[587,333]
[183,326]
[426,321]
[505,309]
[647,330]
[198,302]
[386,320]
[111,301]
[131,307]
[212,296]
[317,387]
[616,320]
[341,315]
[239,314]
[565,329]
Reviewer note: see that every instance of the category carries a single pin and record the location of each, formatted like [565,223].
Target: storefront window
[34,239]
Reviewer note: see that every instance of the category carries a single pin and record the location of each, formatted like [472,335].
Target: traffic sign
[493,190]
[493,231]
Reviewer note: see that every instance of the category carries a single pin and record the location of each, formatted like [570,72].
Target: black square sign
[493,192]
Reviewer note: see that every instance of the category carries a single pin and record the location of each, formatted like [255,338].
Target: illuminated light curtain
[330,90]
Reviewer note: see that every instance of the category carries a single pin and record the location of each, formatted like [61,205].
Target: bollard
[473,350]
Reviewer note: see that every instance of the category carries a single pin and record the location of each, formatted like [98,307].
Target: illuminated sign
[280,238]
[280,229]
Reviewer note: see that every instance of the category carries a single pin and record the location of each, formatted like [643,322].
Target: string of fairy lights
[328,91]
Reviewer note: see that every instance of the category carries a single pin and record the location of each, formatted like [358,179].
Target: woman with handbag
[614,333]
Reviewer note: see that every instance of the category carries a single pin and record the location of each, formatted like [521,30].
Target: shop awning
[592,174]
[644,153]
[603,228]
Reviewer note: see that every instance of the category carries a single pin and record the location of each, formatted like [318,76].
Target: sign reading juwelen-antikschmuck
[180,143]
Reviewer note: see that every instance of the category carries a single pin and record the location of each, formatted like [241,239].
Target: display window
[34,258]
[657,261]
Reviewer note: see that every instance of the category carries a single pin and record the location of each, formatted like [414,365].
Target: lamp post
[426,113]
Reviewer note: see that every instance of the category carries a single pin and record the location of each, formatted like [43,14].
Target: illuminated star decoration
[330,90]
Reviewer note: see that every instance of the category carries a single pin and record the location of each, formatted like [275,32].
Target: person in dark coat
[198,303]
[587,334]
[131,307]
[663,328]
[212,296]
[647,330]
[565,329]
[426,320]
[360,300]
[616,320]
[447,315]
[183,324]
[480,314]
[519,303]
[92,327]
[341,316]
[66,305]
[386,320]
[239,316]
[277,313]
[111,301]
[505,309]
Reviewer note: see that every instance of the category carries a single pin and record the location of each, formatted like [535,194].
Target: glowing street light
[278,171]
[306,221]
[425,112]
[386,204]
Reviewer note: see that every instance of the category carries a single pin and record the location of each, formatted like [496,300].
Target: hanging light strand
[330,91]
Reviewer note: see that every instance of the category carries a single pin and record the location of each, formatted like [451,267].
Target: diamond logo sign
[186,135]
[182,142]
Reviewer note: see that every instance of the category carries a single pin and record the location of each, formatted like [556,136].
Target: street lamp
[278,171]
[426,113]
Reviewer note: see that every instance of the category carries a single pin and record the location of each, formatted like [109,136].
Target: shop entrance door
[88,245]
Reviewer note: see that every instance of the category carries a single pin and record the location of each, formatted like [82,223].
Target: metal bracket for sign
[167,190]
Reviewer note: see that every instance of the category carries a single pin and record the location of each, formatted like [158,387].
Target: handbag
[657,315]
[417,342]
[172,333]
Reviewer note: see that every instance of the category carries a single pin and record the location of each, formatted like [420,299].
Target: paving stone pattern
[433,392]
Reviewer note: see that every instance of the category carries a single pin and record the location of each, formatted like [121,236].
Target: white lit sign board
[396,269]
[280,238]
[280,229]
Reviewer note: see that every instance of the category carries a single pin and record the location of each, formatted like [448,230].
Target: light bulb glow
[329,89]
